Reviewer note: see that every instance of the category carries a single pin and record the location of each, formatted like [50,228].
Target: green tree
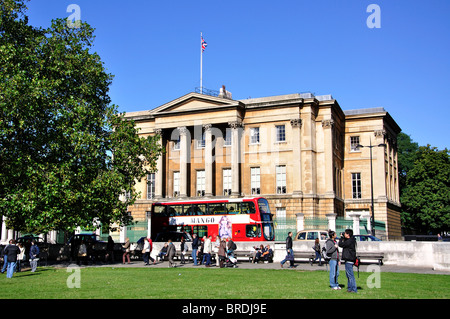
[426,196]
[407,154]
[66,153]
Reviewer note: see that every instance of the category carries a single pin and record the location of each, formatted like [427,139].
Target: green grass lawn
[214,283]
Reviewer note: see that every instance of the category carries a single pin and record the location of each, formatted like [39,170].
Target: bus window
[253,230]
[248,208]
[263,206]
[200,231]
[233,208]
[160,210]
[217,209]
[175,210]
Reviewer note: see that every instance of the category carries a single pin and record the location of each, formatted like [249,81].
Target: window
[254,135]
[281,179]
[354,142]
[255,180]
[201,179]
[356,185]
[226,174]
[281,218]
[253,230]
[176,184]
[248,208]
[281,133]
[227,141]
[151,186]
[201,143]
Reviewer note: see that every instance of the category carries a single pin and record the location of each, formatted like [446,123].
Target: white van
[311,235]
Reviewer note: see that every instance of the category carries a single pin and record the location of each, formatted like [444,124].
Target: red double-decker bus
[243,219]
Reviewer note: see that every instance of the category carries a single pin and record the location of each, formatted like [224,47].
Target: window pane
[281,133]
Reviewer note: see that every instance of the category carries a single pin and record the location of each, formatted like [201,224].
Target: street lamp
[372,224]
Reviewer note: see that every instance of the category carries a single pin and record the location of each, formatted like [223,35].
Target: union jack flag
[204,44]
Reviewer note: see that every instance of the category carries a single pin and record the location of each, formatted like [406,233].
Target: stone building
[301,152]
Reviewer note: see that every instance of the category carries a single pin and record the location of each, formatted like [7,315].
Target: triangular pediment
[194,102]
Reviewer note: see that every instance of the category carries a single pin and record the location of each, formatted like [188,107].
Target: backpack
[324,254]
[233,247]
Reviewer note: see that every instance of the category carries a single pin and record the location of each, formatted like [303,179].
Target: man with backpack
[348,244]
[332,256]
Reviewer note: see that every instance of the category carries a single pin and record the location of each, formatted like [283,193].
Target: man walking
[194,248]
[348,244]
[11,252]
[289,251]
[171,253]
[34,256]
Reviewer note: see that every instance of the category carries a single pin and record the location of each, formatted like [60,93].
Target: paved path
[275,265]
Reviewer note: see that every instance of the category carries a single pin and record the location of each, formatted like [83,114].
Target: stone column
[235,156]
[159,170]
[355,217]
[297,160]
[328,150]
[300,221]
[208,160]
[4,238]
[331,221]
[183,160]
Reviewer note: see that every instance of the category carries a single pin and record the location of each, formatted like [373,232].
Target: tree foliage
[426,196]
[66,153]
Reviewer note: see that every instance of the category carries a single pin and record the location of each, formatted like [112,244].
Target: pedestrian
[184,249]
[171,251]
[333,253]
[231,246]
[150,258]
[316,249]
[207,249]
[34,255]
[222,252]
[146,251]
[109,249]
[348,245]
[289,251]
[126,251]
[20,257]
[5,260]
[195,245]
[216,250]
[11,252]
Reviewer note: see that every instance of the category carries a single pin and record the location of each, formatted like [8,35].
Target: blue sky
[263,48]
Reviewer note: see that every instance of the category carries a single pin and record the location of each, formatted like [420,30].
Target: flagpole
[201,64]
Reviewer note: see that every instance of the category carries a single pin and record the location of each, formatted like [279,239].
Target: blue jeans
[207,259]
[351,282]
[5,263]
[334,273]
[11,267]
[194,256]
[288,252]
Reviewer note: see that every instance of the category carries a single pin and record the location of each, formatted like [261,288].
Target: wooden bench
[310,255]
[243,254]
[371,256]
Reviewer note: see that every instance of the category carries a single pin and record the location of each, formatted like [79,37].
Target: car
[311,234]
[91,238]
[28,238]
[175,236]
[366,238]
